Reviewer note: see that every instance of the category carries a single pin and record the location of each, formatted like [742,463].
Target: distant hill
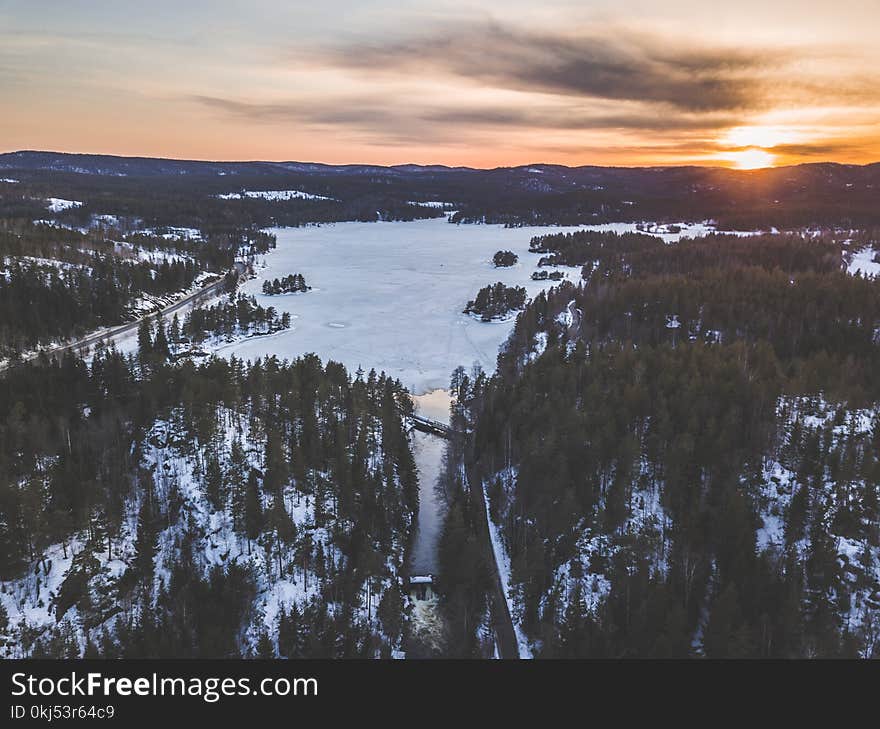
[808,194]
[103,164]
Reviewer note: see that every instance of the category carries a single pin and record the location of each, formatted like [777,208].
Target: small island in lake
[496,301]
[294,283]
[503,259]
[548,276]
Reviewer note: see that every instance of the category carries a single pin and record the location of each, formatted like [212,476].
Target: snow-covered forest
[681,453]
[154,509]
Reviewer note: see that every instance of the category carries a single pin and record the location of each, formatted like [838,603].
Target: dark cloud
[575,119]
[331,110]
[824,150]
[615,66]
[373,122]
[411,121]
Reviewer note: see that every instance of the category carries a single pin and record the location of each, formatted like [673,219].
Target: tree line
[294,283]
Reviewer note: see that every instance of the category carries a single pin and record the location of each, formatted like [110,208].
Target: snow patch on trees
[59,204]
[273,195]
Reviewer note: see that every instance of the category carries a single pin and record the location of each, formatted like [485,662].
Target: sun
[751,147]
[751,159]
[759,135]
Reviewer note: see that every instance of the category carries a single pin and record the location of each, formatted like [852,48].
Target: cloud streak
[616,66]
[366,112]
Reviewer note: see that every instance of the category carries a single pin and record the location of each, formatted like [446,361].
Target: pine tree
[726,635]
[161,350]
[265,650]
[214,482]
[290,642]
[253,508]
[237,479]
[174,331]
[146,543]
[145,341]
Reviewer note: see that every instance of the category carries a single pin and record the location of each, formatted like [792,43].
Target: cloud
[385,123]
[576,119]
[827,150]
[620,66]
[414,120]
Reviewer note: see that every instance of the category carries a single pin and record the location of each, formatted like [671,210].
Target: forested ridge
[181,192]
[683,451]
[152,509]
[194,200]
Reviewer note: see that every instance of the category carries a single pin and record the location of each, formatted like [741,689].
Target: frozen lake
[390,295]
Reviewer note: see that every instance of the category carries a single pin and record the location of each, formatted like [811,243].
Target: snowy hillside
[288,513]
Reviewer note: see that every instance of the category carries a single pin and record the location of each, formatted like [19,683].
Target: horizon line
[434,164]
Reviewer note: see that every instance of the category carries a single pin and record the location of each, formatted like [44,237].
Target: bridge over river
[431,427]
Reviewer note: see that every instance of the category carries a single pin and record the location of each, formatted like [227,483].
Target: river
[428,452]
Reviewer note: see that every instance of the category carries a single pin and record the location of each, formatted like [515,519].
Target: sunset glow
[759,136]
[501,83]
[751,159]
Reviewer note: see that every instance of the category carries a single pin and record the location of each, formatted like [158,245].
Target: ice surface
[390,295]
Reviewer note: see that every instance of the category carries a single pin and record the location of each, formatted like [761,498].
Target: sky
[483,83]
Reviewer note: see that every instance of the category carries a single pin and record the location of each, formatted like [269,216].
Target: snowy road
[115,335]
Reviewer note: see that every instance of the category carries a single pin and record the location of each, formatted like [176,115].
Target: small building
[421,587]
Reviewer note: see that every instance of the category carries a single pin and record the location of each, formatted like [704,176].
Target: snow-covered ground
[176,464]
[156,257]
[173,233]
[390,295]
[7,262]
[58,204]
[863,263]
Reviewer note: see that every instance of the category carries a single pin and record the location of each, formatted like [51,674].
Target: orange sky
[631,82]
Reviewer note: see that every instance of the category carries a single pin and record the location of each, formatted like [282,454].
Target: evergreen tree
[253,508]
